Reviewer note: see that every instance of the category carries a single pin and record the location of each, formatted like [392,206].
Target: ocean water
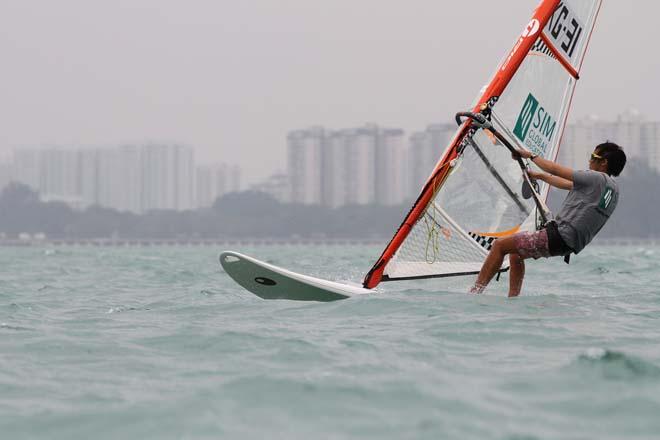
[160,343]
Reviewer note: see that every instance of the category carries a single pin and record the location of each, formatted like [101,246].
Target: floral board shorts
[532,244]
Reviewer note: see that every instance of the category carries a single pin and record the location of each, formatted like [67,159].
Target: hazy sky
[230,78]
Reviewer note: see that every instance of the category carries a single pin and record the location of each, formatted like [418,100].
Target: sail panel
[437,246]
[569,28]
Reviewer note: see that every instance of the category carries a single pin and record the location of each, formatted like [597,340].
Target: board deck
[271,282]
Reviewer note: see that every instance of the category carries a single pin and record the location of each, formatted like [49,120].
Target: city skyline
[133,178]
[391,173]
[368,164]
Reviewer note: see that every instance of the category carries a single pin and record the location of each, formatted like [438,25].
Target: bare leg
[501,247]
[516,274]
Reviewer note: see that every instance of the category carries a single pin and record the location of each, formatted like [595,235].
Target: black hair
[616,158]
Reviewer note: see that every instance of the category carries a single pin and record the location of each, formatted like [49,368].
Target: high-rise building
[361,165]
[627,132]
[58,174]
[206,186]
[391,185]
[579,140]
[334,169]
[128,177]
[425,150]
[184,178]
[650,141]
[118,178]
[5,175]
[157,186]
[304,165]
[25,168]
[167,177]
[88,176]
[213,181]
[352,166]
[52,172]
[234,178]
[637,137]
[109,184]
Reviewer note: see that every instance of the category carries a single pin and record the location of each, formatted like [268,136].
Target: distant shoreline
[110,242]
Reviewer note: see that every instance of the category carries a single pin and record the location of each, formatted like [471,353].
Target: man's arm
[555,181]
[548,166]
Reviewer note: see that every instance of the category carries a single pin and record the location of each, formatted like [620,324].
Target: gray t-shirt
[586,208]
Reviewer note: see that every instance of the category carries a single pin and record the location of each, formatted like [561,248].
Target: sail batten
[475,193]
[564,62]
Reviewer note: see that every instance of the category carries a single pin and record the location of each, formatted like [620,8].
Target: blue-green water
[160,343]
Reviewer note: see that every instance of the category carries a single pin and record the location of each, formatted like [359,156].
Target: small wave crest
[4,325]
[120,309]
[208,292]
[615,365]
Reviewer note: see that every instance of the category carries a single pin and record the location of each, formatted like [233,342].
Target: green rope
[433,230]
[432,239]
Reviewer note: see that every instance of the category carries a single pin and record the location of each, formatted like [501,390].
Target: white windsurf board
[271,282]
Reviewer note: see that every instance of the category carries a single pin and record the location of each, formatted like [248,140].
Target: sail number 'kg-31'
[565,29]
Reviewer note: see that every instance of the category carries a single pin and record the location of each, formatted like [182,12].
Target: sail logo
[535,126]
[530,30]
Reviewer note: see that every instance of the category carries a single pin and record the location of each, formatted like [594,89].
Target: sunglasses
[594,156]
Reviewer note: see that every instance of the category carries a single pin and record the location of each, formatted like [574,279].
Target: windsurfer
[593,195]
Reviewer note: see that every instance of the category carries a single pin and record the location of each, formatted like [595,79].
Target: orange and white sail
[474,195]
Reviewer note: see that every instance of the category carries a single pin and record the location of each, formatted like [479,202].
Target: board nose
[229,258]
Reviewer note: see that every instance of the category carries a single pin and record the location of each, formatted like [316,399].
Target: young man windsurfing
[593,195]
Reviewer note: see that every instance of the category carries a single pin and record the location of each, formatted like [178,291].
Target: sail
[475,193]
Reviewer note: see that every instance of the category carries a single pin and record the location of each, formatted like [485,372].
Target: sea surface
[142,343]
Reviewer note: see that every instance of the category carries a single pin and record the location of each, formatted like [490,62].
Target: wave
[5,326]
[614,365]
[121,309]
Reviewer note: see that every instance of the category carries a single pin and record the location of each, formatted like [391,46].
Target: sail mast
[505,72]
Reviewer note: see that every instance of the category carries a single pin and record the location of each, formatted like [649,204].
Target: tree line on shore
[246,214]
[258,215]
